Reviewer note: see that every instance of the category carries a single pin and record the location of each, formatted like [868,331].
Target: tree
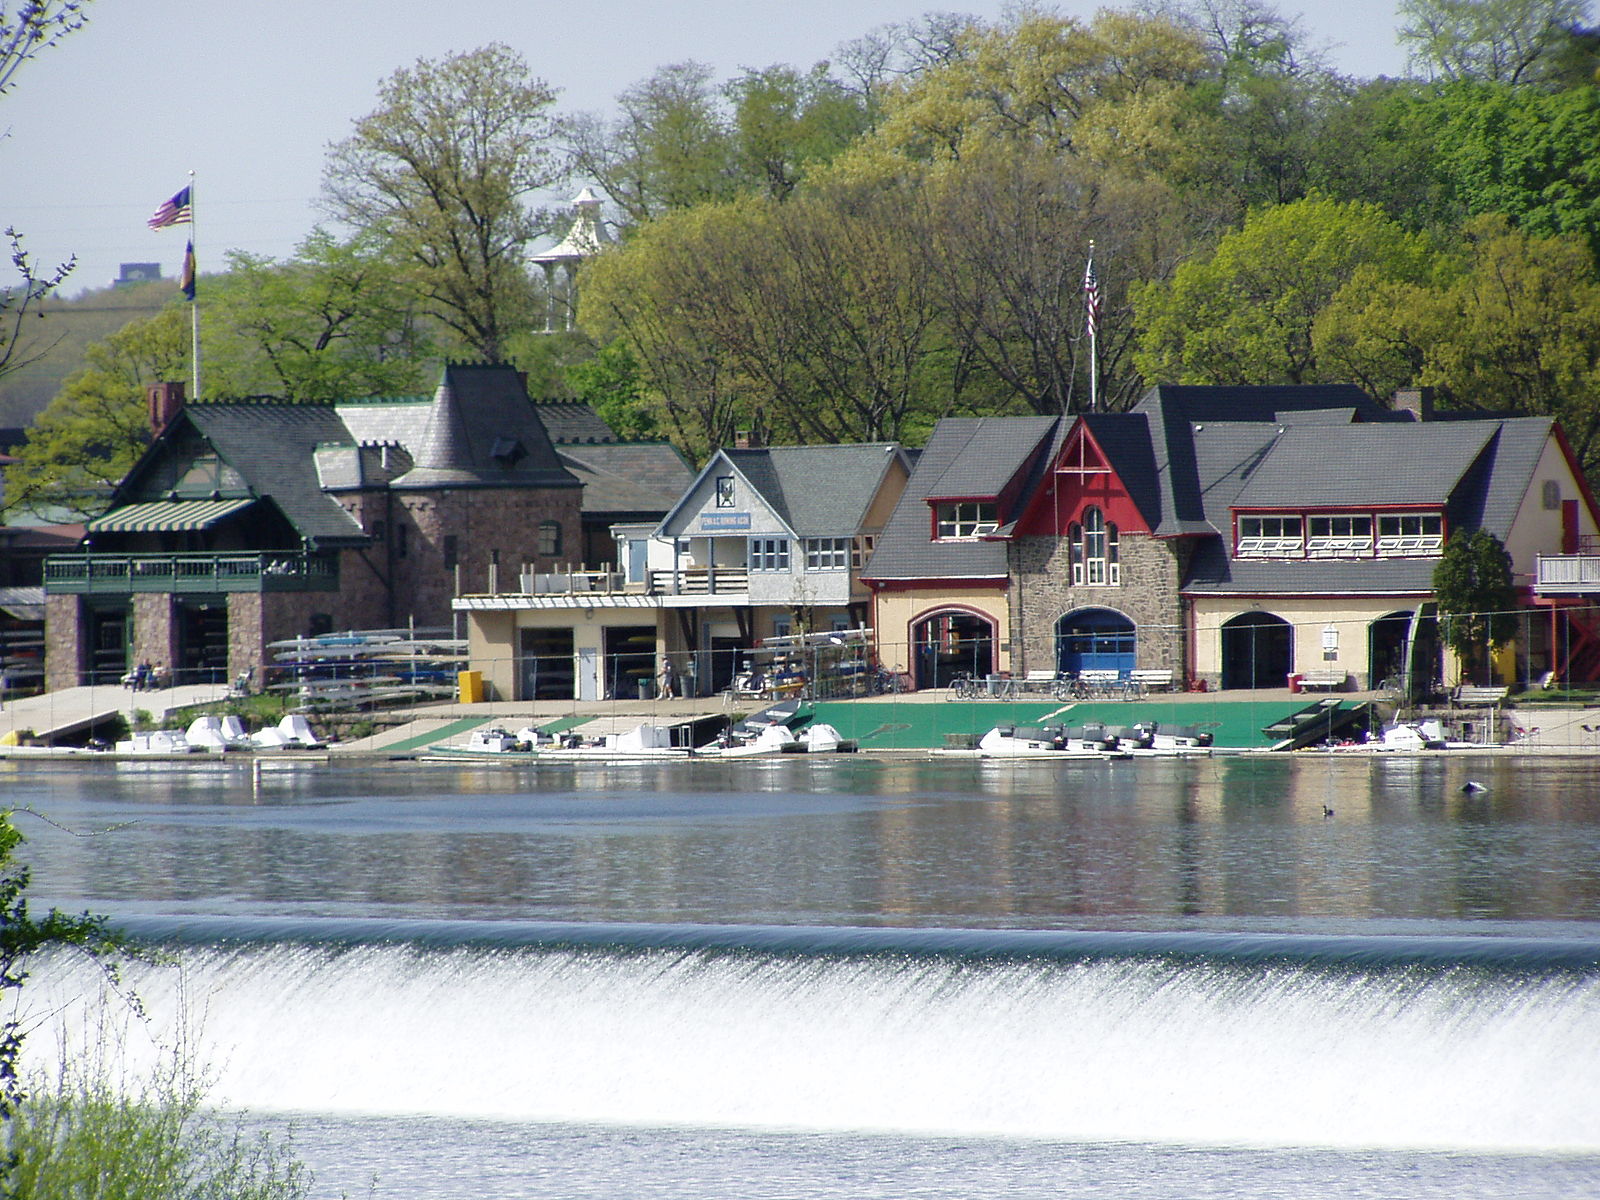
[90,435]
[669,149]
[1247,314]
[785,123]
[1501,41]
[33,26]
[1527,154]
[1506,323]
[443,168]
[338,320]
[1477,599]
[21,936]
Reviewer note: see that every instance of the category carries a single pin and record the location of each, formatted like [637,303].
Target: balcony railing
[583,582]
[1567,574]
[122,574]
[701,581]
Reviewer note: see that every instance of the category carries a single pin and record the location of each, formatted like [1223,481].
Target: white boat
[822,738]
[768,739]
[641,743]
[1089,744]
[1147,739]
[495,740]
[217,734]
[157,741]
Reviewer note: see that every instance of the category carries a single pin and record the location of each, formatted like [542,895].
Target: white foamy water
[1109,1050]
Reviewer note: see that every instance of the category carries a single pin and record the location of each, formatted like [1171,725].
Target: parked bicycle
[965,687]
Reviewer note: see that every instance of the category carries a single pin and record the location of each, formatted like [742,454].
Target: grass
[87,1134]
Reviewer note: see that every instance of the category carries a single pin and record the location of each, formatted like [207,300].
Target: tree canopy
[1476,595]
[444,169]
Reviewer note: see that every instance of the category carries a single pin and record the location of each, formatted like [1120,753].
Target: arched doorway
[1403,652]
[950,643]
[1257,651]
[1095,639]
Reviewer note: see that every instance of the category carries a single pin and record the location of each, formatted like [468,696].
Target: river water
[860,977]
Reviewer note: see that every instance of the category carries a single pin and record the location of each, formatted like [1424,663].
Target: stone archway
[1257,651]
[1095,639]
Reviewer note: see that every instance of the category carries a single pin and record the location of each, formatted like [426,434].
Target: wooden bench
[1475,695]
[1152,679]
[1330,681]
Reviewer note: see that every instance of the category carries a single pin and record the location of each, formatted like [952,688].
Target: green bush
[88,1135]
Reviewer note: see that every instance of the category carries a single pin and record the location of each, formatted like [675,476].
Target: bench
[1475,695]
[1331,681]
[1152,679]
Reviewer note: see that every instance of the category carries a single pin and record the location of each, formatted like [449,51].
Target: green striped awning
[160,516]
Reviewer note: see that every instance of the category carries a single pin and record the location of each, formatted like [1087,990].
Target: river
[860,977]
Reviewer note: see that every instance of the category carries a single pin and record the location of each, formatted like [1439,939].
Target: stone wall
[488,524]
[65,634]
[155,630]
[1042,593]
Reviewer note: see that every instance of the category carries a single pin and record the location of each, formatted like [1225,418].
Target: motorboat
[494,739]
[766,739]
[821,738]
[642,742]
[1087,743]
[157,741]
[1146,739]
[217,734]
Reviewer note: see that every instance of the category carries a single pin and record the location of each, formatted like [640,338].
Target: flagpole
[1092,304]
[194,305]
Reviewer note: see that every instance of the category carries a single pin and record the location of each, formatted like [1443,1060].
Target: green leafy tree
[1477,599]
[1527,154]
[88,437]
[22,935]
[612,383]
[1502,41]
[338,320]
[1247,314]
[1507,322]
[786,123]
[443,168]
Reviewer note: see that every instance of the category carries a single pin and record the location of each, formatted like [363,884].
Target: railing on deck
[121,574]
[1567,573]
[700,581]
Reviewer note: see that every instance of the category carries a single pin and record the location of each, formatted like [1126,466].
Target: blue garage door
[1095,639]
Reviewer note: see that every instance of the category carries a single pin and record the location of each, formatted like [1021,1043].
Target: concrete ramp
[69,713]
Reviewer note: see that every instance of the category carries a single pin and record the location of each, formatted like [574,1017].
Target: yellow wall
[1350,616]
[894,612]
[1536,529]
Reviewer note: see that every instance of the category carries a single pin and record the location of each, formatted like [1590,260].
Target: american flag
[176,211]
[1091,299]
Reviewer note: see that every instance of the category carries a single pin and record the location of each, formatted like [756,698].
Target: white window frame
[828,554]
[1403,535]
[1339,535]
[1271,535]
[964,520]
[722,490]
[769,554]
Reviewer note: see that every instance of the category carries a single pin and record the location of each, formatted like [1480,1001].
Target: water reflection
[847,841]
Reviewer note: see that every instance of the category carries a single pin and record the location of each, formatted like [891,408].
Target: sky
[247,94]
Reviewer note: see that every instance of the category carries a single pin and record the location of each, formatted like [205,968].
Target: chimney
[165,401]
[746,439]
[1417,401]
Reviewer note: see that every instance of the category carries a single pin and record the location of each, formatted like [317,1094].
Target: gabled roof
[968,458]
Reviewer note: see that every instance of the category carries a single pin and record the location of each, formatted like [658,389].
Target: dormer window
[1403,534]
[964,518]
[1272,536]
[508,452]
[1338,536]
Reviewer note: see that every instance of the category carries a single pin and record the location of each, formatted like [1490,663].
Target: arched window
[1095,551]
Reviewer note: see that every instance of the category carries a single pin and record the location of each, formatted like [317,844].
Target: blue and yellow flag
[186,277]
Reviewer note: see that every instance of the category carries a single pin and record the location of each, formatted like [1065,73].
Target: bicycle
[964,687]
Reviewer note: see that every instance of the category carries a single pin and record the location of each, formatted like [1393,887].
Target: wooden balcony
[701,581]
[124,574]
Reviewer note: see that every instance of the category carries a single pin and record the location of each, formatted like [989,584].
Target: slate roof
[964,457]
[817,491]
[567,421]
[479,429]
[483,431]
[622,479]
[1313,466]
